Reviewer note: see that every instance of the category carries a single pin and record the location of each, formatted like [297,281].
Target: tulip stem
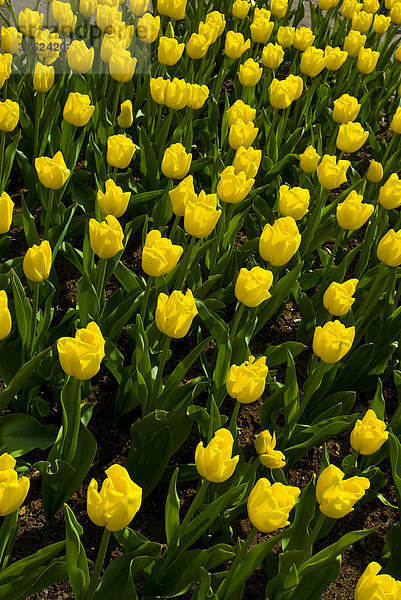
[162,364]
[145,298]
[233,421]
[2,146]
[101,276]
[237,319]
[38,112]
[116,100]
[236,564]
[388,150]
[98,565]
[8,531]
[35,305]
[48,213]
[317,528]
[337,244]
[174,227]
[196,502]
[185,265]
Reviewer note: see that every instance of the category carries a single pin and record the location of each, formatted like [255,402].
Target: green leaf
[77,563]
[172,512]
[21,433]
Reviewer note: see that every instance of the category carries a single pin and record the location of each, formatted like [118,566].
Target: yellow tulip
[303,38]
[87,8]
[47,46]
[247,160]
[111,43]
[214,462]
[126,117]
[11,40]
[235,45]
[368,434]
[118,501]
[246,382]
[332,174]
[332,341]
[336,496]
[148,27]
[351,136]
[395,13]
[43,78]
[367,60]
[265,444]
[285,36]
[361,21]
[352,213]
[9,115]
[169,51]
[138,7]
[252,287]
[250,73]
[293,202]
[374,172]
[122,65]
[157,89]
[80,356]
[37,262]
[175,313]
[5,317]
[198,94]
[197,46]
[334,58]
[241,8]
[30,21]
[269,506]
[184,192]
[280,241]
[395,124]
[176,93]
[338,298]
[113,201]
[283,92]
[371,585]
[240,110]
[371,6]
[217,21]
[175,9]
[381,23]
[106,16]
[201,215]
[106,238]
[5,67]
[66,20]
[389,249]
[52,172]
[80,57]
[309,160]
[278,8]
[6,212]
[13,489]
[261,27]
[390,193]
[159,255]
[78,109]
[176,162]
[120,150]
[272,56]
[242,134]
[346,108]
[353,42]
[312,61]
[349,7]
[233,188]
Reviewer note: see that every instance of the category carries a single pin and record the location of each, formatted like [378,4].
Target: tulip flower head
[353,42]
[159,255]
[309,160]
[269,506]
[175,313]
[303,38]
[390,193]
[184,192]
[346,108]
[285,36]
[240,110]
[52,172]
[197,46]
[371,585]
[113,201]
[338,298]
[352,213]
[233,188]
[176,162]
[9,115]
[247,160]
[265,444]
[6,212]
[252,286]
[13,489]
[37,262]
[374,172]
[332,341]
[80,356]
[43,78]
[106,238]
[334,58]
[148,28]
[235,45]
[337,496]
[214,462]
[293,202]
[242,134]
[389,249]
[5,316]
[280,241]
[201,215]
[78,109]
[169,51]
[313,61]
[330,173]
[120,150]
[369,434]
[272,56]
[246,383]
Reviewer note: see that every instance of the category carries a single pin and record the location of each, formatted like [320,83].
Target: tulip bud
[80,356]
[352,214]
[9,115]
[176,162]
[159,255]
[293,202]
[338,298]
[334,58]
[198,94]
[280,241]
[113,201]
[78,109]
[332,341]
[389,249]
[374,172]
[361,21]
[261,27]
[303,38]
[250,73]
[390,193]
[29,22]
[11,40]
[13,490]
[201,215]
[120,150]
[169,51]
[122,65]
[180,195]
[233,188]
[336,496]
[6,212]
[37,262]
[381,23]
[43,78]
[309,159]
[268,456]
[367,60]
[106,238]
[125,118]
[157,89]
[395,124]
[118,501]
[80,57]
[5,316]
[349,7]
[176,93]
[175,9]
[330,173]
[285,36]
[242,134]
[52,172]
[272,56]
[106,16]
[241,8]
[235,45]
[147,28]
[269,506]
[175,313]
[371,585]
[351,136]
[87,8]
[312,61]
[346,108]
[247,160]
[138,7]
[5,67]
[214,462]
[197,46]
[278,8]
[353,42]
[252,287]
[246,382]
[369,434]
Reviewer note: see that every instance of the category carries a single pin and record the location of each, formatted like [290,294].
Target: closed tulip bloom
[312,61]
[197,46]
[349,7]
[111,43]
[265,444]
[148,28]
[389,249]
[352,213]
[395,13]
[241,8]
[242,134]
[197,96]
[169,51]
[346,108]
[369,434]
[233,188]
[353,42]
[372,586]
[175,313]
[157,89]
[52,172]
[250,73]
[214,462]
[332,174]
[5,316]
[118,501]
[13,490]
[336,496]
[106,238]
[176,162]
[247,160]
[272,56]
[252,287]
[80,356]
[176,93]
[332,341]
[30,21]
[126,117]
[397,54]
[9,115]
[209,31]
[159,255]
[138,7]
[113,201]
[11,39]
[37,262]
[122,66]
[120,150]
[351,136]
[43,77]
[338,298]
[327,4]
[361,21]
[303,38]
[390,193]
[6,212]
[381,23]
[124,32]
[180,195]
[235,45]
[78,109]
[278,8]
[293,202]
[374,172]
[367,60]
[5,67]
[106,16]
[217,21]
[261,27]
[309,160]
[285,36]
[395,124]
[47,46]
[246,382]
[269,505]
[66,19]
[80,57]
[87,8]
[280,241]
[240,110]
[201,215]
[371,6]
[283,92]
[175,9]
[334,58]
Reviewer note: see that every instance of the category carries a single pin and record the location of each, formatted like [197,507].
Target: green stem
[2,147]
[8,531]
[185,265]
[101,275]
[98,565]
[12,12]
[116,101]
[388,149]
[48,213]
[174,227]
[237,319]
[233,421]
[196,502]
[71,401]
[38,112]
[145,298]
[337,244]
[35,305]
[317,528]
[162,364]
[237,563]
